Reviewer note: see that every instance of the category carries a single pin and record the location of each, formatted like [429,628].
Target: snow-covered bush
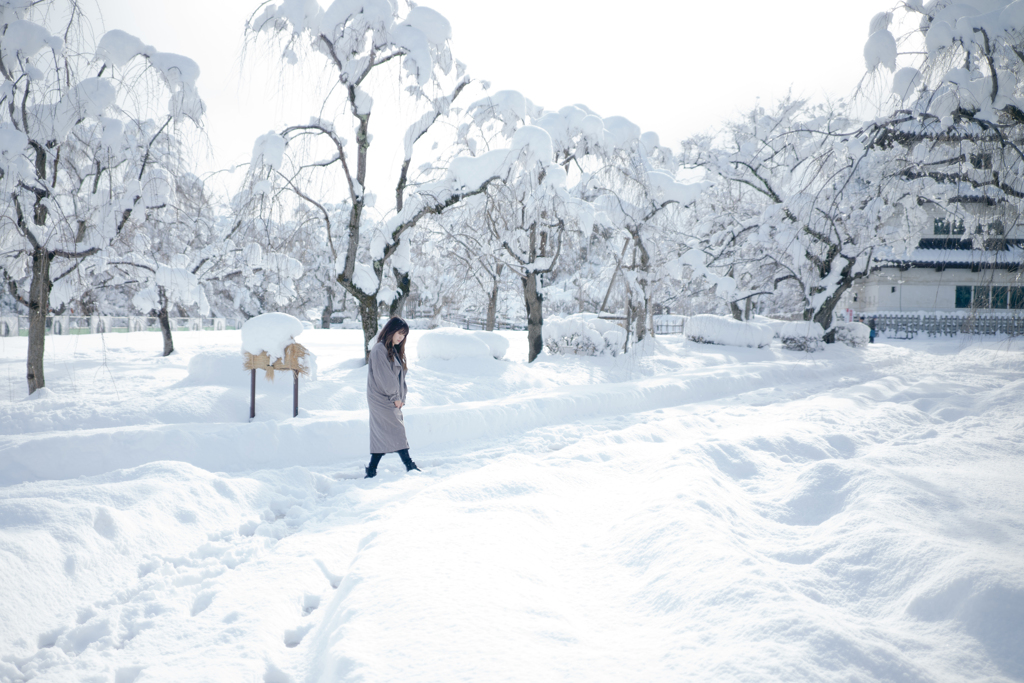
[583,334]
[717,329]
[495,342]
[853,334]
[447,343]
[215,368]
[773,323]
[804,335]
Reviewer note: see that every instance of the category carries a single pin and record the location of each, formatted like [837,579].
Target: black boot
[407,461]
[371,469]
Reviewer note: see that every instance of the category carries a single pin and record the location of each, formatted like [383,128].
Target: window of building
[1017,297]
[982,296]
[893,290]
[999,296]
[996,228]
[963,296]
[945,226]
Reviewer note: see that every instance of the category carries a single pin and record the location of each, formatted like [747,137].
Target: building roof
[955,253]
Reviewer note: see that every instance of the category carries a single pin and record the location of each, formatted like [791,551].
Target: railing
[17,325]
[909,325]
[668,328]
[470,323]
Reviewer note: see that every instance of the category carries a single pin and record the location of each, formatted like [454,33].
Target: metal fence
[672,325]
[17,325]
[471,323]
[907,326]
[668,328]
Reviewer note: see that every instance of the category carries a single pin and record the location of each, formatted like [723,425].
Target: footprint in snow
[127,674]
[309,603]
[202,601]
[293,637]
[275,675]
[333,578]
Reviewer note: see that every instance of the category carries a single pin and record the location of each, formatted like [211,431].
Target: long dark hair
[387,336]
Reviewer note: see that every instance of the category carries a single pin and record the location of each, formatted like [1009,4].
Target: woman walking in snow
[385,394]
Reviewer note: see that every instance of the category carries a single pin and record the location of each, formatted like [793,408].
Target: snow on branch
[116,48]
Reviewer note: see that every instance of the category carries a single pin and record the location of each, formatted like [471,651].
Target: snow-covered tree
[534,207]
[954,127]
[810,205]
[73,165]
[175,252]
[465,236]
[637,194]
[368,47]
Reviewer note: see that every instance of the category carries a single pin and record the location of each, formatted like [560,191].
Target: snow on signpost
[268,344]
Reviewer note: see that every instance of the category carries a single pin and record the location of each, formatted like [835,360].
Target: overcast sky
[676,67]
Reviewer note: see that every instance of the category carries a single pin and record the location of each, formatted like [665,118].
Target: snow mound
[853,334]
[270,332]
[583,334]
[216,368]
[450,342]
[40,394]
[803,335]
[776,325]
[495,342]
[716,329]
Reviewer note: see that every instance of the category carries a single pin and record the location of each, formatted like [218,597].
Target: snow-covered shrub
[418,323]
[216,368]
[447,343]
[853,334]
[804,335]
[583,334]
[497,343]
[717,329]
[773,323]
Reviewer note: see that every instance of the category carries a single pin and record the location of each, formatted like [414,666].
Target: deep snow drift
[693,512]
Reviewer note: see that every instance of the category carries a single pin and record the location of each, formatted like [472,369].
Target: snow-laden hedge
[717,329]
[853,334]
[448,343]
[583,334]
[776,325]
[803,335]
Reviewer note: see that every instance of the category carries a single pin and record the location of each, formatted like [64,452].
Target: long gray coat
[385,384]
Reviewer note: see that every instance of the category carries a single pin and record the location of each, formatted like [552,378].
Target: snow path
[774,517]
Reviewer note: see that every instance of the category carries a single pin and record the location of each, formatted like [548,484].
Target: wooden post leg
[295,394]
[252,395]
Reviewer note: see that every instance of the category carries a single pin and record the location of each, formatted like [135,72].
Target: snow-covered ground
[689,513]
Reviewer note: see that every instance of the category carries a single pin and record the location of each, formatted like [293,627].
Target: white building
[946,273]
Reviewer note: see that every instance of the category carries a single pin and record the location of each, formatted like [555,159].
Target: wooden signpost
[293,357]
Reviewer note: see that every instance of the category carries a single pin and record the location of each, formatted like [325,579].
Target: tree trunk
[649,315]
[38,307]
[404,281]
[737,312]
[165,323]
[534,315]
[823,316]
[492,300]
[325,317]
[368,315]
[640,316]
[629,318]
